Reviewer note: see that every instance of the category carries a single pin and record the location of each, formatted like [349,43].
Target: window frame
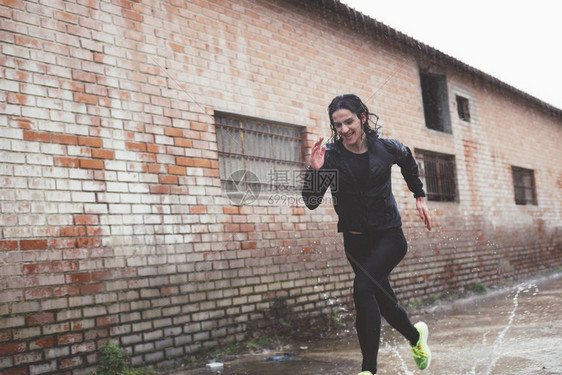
[463,108]
[518,174]
[443,186]
[435,100]
[256,140]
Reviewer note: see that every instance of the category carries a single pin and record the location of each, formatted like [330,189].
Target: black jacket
[373,207]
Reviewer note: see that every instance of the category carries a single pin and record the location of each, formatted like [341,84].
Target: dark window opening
[524,186]
[463,109]
[438,174]
[435,102]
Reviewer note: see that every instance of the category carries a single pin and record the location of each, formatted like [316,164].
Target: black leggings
[373,256]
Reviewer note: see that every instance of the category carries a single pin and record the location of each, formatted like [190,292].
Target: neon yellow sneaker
[422,354]
[366,373]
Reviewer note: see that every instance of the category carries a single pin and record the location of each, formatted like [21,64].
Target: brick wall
[113,226]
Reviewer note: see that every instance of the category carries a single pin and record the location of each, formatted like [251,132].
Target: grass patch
[114,360]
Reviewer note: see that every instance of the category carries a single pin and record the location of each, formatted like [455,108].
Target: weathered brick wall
[113,227]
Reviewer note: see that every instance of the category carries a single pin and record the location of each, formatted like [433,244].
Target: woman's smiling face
[348,126]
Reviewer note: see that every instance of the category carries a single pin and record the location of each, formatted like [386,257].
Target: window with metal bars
[524,186]
[437,172]
[258,153]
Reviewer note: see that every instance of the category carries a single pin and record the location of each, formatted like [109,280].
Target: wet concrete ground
[513,331]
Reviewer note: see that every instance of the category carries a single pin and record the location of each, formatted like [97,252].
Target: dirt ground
[513,331]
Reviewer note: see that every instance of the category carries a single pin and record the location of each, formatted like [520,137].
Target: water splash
[403,367]
[495,355]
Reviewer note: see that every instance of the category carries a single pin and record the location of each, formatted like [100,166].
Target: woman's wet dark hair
[355,105]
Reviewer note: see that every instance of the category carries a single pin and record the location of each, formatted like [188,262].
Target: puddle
[515,331]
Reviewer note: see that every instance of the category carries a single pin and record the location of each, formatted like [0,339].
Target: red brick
[72,231]
[232,228]
[33,244]
[41,318]
[15,370]
[103,154]
[69,338]
[29,135]
[197,209]
[249,245]
[298,210]
[85,98]
[66,17]
[12,348]
[159,189]
[231,210]
[91,164]
[7,245]
[202,163]
[90,141]
[131,146]
[65,139]
[198,126]
[66,162]
[178,190]
[147,158]
[91,289]
[157,168]
[188,162]
[18,4]
[156,149]
[164,179]
[66,290]
[183,142]
[247,227]
[83,76]
[173,132]
[43,342]
[88,242]
[82,277]
[131,15]
[173,169]
[86,219]
[102,275]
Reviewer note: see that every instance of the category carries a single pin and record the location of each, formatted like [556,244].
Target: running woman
[356,165]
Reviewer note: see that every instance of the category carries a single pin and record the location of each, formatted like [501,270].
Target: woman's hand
[317,154]
[424,212]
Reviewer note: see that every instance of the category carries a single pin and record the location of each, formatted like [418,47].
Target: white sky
[518,41]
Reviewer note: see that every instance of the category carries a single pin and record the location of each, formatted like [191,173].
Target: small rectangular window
[438,174]
[524,186]
[435,102]
[463,109]
[258,156]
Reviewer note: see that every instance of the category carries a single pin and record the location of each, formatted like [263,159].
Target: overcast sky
[518,42]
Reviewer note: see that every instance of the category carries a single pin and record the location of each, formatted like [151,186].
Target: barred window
[437,172]
[258,154]
[524,186]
